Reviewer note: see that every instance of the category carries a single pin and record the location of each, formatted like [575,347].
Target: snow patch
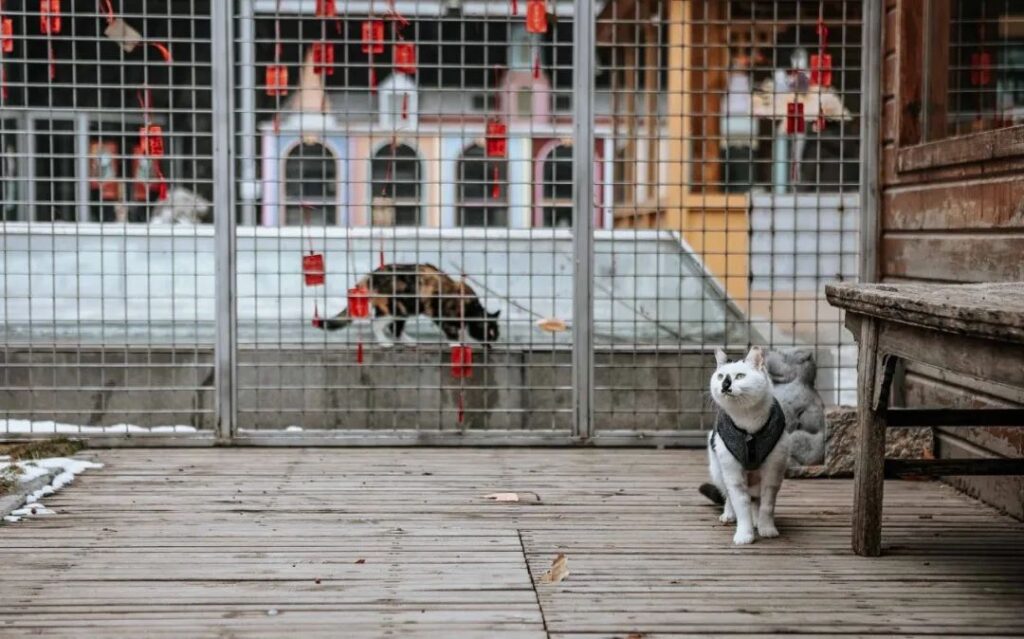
[63,469]
[8,426]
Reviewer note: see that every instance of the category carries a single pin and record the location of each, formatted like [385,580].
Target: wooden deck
[402,543]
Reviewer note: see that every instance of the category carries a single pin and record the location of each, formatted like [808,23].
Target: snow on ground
[63,470]
[49,427]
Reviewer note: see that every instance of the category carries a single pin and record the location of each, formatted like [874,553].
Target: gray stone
[841,442]
[793,373]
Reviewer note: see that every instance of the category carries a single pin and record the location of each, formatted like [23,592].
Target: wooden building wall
[952,210]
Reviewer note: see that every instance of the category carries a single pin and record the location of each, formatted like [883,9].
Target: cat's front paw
[767,529]
[727,517]
[385,344]
[743,537]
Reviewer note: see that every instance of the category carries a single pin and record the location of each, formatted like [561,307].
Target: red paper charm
[277,80]
[152,139]
[536,16]
[821,69]
[358,302]
[3,83]
[795,118]
[495,184]
[49,16]
[326,9]
[373,36]
[373,80]
[323,58]
[405,106]
[981,68]
[317,322]
[462,361]
[313,269]
[7,35]
[497,143]
[405,57]
[515,7]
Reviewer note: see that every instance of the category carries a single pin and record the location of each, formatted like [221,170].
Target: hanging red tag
[3,84]
[326,9]
[795,118]
[7,35]
[373,36]
[536,66]
[497,142]
[152,139]
[358,302]
[821,69]
[405,106]
[323,58]
[515,7]
[359,353]
[405,58]
[49,17]
[536,16]
[277,80]
[460,413]
[981,68]
[373,80]
[462,361]
[495,185]
[317,322]
[313,269]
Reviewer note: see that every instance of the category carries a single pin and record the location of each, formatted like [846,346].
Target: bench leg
[869,468]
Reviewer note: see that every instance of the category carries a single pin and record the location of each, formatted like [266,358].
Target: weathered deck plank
[402,543]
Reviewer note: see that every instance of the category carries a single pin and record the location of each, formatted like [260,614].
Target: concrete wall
[327,389]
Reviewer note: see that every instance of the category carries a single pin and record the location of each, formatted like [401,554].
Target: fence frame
[226,139]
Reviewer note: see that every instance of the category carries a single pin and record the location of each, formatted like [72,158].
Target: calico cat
[748,449]
[400,291]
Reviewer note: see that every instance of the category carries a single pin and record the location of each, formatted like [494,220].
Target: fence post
[225,351]
[870,142]
[583,220]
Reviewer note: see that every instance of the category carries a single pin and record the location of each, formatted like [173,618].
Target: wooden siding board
[988,204]
[975,257]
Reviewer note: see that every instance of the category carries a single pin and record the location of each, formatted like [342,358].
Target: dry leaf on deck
[558,571]
[503,496]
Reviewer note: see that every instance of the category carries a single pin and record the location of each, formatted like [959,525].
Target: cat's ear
[495,314]
[756,358]
[720,357]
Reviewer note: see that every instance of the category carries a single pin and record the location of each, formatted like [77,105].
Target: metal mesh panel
[105,139]
[427,163]
[733,138]
[982,86]
[418,150]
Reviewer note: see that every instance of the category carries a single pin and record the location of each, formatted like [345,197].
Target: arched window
[396,186]
[311,185]
[556,187]
[482,189]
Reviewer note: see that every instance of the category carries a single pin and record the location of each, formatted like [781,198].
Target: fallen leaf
[635,635]
[552,325]
[360,561]
[558,571]
[503,496]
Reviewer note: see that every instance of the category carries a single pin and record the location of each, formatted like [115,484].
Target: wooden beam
[895,468]
[954,417]
[868,473]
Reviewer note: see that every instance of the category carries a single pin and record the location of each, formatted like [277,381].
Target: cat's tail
[339,321]
[713,493]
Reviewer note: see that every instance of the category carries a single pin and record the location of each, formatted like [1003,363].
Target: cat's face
[484,328]
[741,383]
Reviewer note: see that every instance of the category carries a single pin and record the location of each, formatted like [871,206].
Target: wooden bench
[976,330]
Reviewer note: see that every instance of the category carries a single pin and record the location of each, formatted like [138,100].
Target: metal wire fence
[507,221]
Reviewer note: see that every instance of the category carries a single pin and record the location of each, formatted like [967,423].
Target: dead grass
[20,451]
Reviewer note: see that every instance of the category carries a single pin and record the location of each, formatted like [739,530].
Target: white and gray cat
[748,449]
